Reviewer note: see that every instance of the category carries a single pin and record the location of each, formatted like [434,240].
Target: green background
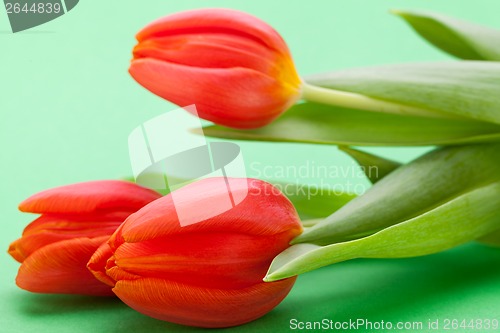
[67,106]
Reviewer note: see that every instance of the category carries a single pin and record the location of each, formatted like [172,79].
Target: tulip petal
[219,51]
[97,264]
[51,228]
[275,213]
[23,247]
[215,20]
[90,197]
[68,223]
[235,68]
[188,305]
[61,268]
[239,97]
[201,264]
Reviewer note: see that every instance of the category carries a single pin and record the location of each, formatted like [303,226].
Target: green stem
[311,222]
[350,100]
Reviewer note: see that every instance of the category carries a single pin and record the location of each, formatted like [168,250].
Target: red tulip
[234,67]
[75,221]
[206,274]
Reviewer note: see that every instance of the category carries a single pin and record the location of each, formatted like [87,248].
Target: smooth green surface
[67,106]
[467,217]
[370,162]
[462,39]
[325,124]
[420,186]
[467,89]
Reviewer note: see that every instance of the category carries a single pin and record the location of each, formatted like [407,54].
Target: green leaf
[374,167]
[313,202]
[324,124]
[411,190]
[492,239]
[462,39]
[460,220]
[469,89]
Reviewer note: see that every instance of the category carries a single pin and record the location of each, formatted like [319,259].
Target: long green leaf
[465,218]
[375,167]
[313,202]
[383,168]
[409,191]
[323,124]
[469,89]
[492,239]
[460,38]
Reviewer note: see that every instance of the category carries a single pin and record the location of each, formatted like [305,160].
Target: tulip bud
[76,219]
[206,274]
[235,68]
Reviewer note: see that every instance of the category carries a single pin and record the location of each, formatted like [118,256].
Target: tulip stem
[351,100]
[311,222]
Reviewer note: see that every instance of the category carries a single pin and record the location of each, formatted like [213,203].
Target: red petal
[213,260]
[15,251]
[69,223]
[264,211]
[219,51]
[97,264]
[215,20]
[23,247]
[236,97]
[188,305]
[60,268]
[48,229]
[90,197]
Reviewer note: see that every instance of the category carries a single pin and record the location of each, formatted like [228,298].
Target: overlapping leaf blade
[384,167]
[462,219]
[492,239]
[375,167]
[409,191]
[313,202]
[460,38]
[469,89]
[323,124]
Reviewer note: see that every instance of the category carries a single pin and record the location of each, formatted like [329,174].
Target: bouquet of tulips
[115,237]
